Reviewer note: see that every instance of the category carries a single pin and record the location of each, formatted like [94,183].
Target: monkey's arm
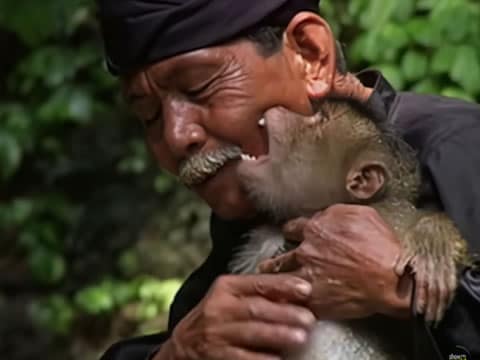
[433,250]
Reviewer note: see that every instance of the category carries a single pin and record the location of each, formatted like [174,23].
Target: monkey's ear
[366,179]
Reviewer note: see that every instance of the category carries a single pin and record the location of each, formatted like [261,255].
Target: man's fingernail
[299,335]
[307,319]
[304,288]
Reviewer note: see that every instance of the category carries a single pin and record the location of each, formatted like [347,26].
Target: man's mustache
[200,166]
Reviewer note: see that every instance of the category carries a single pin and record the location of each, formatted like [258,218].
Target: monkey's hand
[432,248]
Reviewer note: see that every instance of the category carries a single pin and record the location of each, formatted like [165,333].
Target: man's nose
[183,129]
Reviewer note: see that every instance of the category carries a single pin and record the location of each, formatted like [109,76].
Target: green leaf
[10,155]
[457,30]
[368,47]
[466,69]
[404,10]
[67,105]
[95,300]
[147,311]
[443,59]
[426,5]
[21,210]
[47,267]
[457,93]
[123,293]
[377,14]
[427,86]
[423,32]
[129,263]
[55,314]
[15,120]
[393,38]
[161,292]
[414,65]
[31,22]
[393,75]
[164,183]
[35,24]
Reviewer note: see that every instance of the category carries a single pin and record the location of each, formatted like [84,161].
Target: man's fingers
[261,309]
[260,335]
[276,287]
[293,230]
[283,263]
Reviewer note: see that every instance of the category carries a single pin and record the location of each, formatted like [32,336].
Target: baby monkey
[341,155]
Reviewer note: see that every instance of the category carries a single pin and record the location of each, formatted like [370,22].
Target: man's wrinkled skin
[206,100]
[326,257]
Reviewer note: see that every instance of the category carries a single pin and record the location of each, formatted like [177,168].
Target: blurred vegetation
[94,240]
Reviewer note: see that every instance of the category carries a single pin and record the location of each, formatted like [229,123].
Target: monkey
[343,155]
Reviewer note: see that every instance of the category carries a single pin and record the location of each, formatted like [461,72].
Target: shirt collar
[381,101]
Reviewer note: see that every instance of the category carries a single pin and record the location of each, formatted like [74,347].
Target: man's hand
[348,87]
[244,317]
[348,253]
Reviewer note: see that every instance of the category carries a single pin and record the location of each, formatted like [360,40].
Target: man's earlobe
[367,180]
[310,38]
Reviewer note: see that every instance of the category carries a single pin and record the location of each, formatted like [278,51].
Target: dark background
[94,240]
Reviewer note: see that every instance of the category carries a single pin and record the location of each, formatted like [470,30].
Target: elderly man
[200,74]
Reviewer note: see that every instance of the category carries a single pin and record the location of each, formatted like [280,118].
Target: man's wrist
[398,302]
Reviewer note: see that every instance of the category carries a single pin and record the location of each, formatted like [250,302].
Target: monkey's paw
[435,282]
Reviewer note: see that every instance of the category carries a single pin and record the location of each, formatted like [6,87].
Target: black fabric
[141,32]
[446,134]
[225,238]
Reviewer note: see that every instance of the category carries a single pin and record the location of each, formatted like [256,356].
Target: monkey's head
[314,162]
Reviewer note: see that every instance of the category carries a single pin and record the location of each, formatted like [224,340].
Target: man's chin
[224,194]
[230,205]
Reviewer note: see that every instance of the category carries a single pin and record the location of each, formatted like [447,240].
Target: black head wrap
[140,32]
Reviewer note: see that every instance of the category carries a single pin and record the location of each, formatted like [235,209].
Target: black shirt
[446,134]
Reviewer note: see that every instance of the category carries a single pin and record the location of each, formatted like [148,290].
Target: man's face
[209,100]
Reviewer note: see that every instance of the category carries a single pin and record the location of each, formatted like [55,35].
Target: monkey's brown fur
[341,155]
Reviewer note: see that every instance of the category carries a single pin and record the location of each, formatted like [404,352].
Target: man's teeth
[261,122]
[248,157]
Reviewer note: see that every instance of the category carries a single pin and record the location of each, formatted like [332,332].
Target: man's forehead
[197,65]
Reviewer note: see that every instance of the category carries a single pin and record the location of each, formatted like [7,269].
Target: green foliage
[149,297]
[78,187]
[426,46]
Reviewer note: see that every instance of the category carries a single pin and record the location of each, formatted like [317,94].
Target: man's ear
[366,180]
[312,41]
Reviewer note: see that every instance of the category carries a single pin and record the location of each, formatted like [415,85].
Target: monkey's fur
[340,155]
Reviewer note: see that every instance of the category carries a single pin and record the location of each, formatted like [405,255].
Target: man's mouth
[203,166]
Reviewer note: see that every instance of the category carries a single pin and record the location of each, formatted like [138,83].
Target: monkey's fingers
[283,263]
[293,230]
[433,291]
[452,282]
[420,298]
[403,262]
[444,295]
